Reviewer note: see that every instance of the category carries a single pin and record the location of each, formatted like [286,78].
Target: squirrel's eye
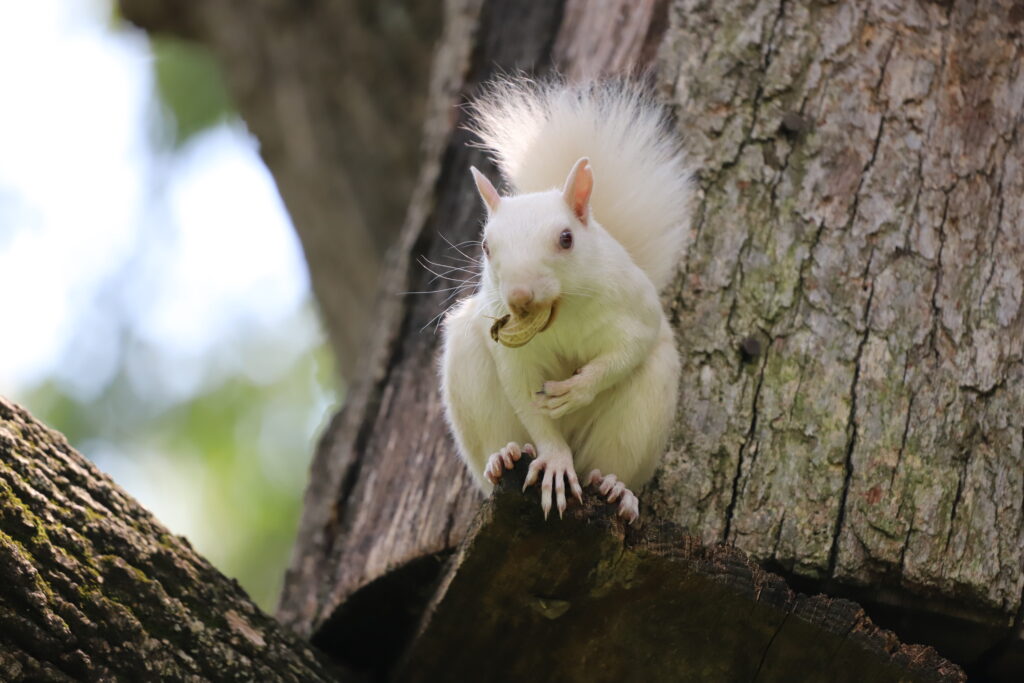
[565,239]
[487,250]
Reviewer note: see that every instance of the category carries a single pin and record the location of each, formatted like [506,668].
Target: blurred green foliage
[227,465]
[236,454]
[190,85]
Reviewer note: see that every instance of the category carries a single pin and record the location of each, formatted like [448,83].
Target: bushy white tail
[642,184]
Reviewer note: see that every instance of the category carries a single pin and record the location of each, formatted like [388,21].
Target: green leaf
[190,84]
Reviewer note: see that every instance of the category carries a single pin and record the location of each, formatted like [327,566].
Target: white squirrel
[585,376]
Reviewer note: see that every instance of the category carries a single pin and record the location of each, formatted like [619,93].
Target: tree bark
[93,588]
[635,604]
[335,92]
[862,221]
[849,312]
[385,486]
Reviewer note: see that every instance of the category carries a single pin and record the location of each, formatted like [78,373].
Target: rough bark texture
[93,588]
[635,604]
[862,219]
[386,488]
[335,91]
[849,313]
[345,511]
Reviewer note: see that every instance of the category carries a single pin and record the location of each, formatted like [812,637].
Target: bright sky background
[76,168]
[102,229]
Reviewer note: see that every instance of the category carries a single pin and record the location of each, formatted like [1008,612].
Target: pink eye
[565,239]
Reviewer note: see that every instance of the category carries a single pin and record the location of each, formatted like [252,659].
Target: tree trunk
[335,92]
[862,221]
[849,312]
[93,588]
[593,599]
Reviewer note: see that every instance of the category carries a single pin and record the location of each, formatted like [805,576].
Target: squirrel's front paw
[556,399]
[614,490]
[506,459]
[558,469]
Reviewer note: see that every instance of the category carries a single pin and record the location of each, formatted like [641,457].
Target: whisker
[440,276]
[581,292]
[455,260]
[452,268]
[464,285]
[455,264]
[437,318]
[456,247]
[448,268]
[451,296]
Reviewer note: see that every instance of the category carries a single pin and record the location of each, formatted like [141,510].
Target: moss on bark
[93,588]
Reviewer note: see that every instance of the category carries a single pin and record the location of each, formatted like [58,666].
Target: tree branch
[92,587]
[588,598]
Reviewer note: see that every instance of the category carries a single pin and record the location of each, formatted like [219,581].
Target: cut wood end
[639,603]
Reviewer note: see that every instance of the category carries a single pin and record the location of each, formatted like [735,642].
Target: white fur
[597,389]
[537,130]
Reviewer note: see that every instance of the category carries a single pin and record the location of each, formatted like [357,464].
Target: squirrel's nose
[519,300]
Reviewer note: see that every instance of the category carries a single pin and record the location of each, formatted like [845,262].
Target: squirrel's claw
[614,490]
[545,491]
[560,496]
[629,507]
[532,474]
[505,459]
[557,471]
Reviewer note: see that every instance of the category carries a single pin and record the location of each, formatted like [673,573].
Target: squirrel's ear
[577,189]
[487,192]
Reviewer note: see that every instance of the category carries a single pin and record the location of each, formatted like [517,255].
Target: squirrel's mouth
[551,318]
[518,331]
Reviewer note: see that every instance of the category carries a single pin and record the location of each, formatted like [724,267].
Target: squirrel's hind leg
[481,418]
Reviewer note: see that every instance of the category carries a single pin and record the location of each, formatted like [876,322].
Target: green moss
[28,519]
[37,579]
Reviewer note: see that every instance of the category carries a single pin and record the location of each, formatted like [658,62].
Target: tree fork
[848,152]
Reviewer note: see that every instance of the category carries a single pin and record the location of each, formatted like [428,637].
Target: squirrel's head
[536,245]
